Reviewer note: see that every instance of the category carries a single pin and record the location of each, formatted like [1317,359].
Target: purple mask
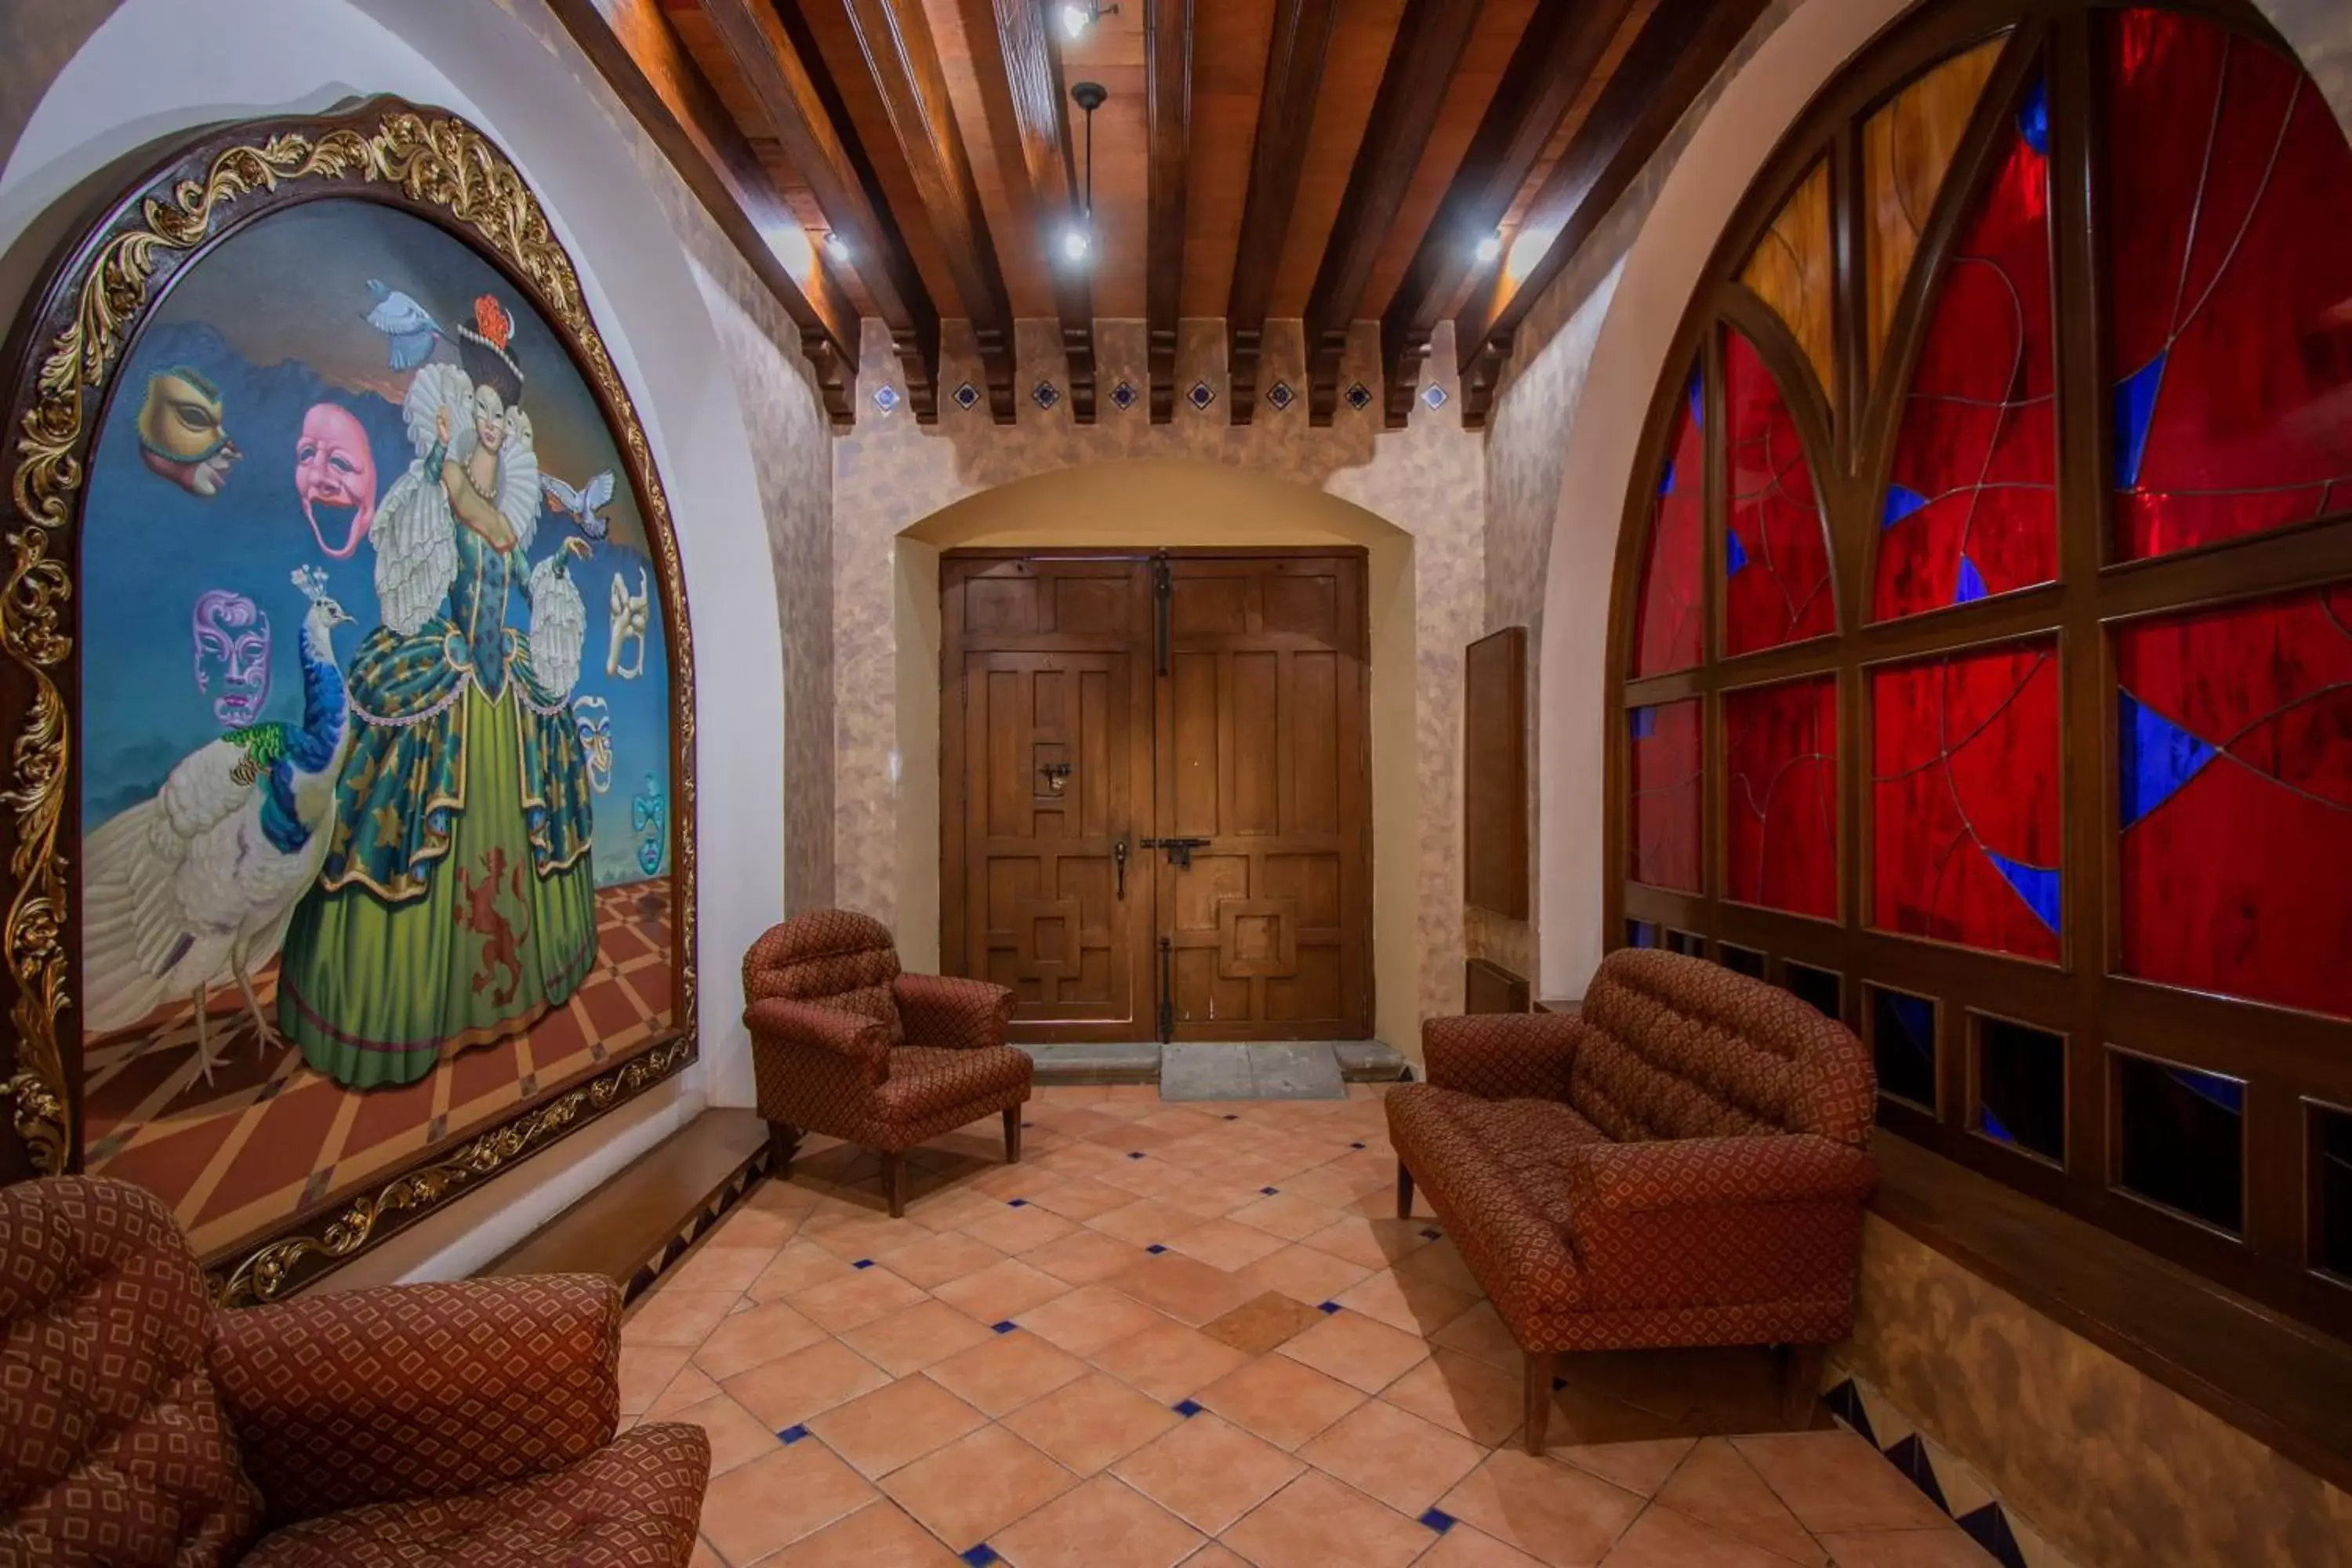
[232,637]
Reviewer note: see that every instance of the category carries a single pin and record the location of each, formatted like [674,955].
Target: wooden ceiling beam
[783,72]
[1167,133]
[1031,71]
[1676,54]
[1285,117]
[638,54]
[1429,43]
[1547,72]
[903,58]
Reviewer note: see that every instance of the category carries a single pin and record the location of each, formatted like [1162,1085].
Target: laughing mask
[181,431]
[334,464]
[232,637]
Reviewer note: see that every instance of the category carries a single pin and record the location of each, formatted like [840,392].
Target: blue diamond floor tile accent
[980,1556]
[1438,1520]
[793,1434]
[1016,1202]
[1431,1232]
[863,1263]
[1134,1155]
[1354,1145]
[1155,1249]
[1327,1306]
[1187,1408]
[1269,1192]
[1006,1327]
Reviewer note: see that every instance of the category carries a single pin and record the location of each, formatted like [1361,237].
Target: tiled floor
[1195,1333]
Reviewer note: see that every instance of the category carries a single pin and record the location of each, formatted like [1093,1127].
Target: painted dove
[408,323]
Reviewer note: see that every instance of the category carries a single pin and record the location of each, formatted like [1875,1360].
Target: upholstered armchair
[843,1044]
[468,1423]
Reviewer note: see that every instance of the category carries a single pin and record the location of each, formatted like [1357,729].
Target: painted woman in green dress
[458,901]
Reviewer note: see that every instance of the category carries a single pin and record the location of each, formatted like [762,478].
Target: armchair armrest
[957,1013]
[1502,1055]
[807,1024]
[417,1391]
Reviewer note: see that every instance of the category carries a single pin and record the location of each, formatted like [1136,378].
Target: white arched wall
[156,67]
[1188,503]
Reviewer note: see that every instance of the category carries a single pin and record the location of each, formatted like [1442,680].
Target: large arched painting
[376,725]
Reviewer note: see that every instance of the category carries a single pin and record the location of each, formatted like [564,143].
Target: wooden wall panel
[1494,773]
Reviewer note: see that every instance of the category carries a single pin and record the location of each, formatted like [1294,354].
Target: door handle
[1118,859]
[1180,850]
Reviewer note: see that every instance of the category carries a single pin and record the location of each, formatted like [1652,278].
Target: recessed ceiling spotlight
[1489,247]
[1078,18]
[836,248]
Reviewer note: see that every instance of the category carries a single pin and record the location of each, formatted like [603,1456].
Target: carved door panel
[1262,756]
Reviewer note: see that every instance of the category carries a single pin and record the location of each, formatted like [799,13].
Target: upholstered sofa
[462,1423]
[844,1044]
[1683,1163]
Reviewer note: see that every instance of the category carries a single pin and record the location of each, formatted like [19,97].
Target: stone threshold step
[1358,1061]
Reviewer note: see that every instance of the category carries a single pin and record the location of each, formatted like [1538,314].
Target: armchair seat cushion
[636,1500]
[927,1082]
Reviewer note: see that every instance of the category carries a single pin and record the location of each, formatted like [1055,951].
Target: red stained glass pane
[1971,505]
[1964,799]
[1667,619]
[1780,746]
[1664,829]
[1776,557]
[2235,772]
[2230,196]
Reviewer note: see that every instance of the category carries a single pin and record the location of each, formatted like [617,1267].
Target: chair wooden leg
[783,1143]
[1404,1192]
[1012,1135]
[1538,1397]
[1801,1384]
[894,1182]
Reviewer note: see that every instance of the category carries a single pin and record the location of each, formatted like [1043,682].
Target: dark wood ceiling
[1331,160]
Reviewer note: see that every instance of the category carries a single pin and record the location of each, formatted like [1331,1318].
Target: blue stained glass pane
[1667,480]
[1902,500]
[1972,582]
[1646,723]
[2033,117]
[1735,553]
[2158,756]
[1916,1016]
[1697,401]
[1641,933]
[1993,1129]
[2135,406]
[2226,1092]
[2037,885]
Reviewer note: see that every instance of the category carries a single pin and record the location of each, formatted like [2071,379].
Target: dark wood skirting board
[645,1219]
[2280,1382]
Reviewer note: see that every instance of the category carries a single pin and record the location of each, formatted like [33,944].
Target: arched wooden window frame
[2291,1062]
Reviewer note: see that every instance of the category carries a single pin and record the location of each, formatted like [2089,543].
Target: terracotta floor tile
[879,1534]
[1462,1394]
[1441,1264]
[1480,1331]
[1144,1222]
[935,1259]
[1716,1484]
[1303,1274]
[1083,1257]
[1081,1198]
[1184,1288]
[1208,1472]
[716,1267]
[1834,1482]
[977,1485]
[788,1391]
[1948,1547]
[1393,1458]
[1374,1243]
[1211,1556]
[781,1195]
[747,1224]
[800,1265]
[646,1371]
[705,1555]
[1463,1547]
[1662,1538]
[862,1296]
[1091,1422]
[1280,1400]
[736,1436]
[1103,1523]
[692,1385]
[862,1235]
[1019,1230]
[773,1501]
[677,1317]
[748,1338]
[914,1337]
[1640,1468]
[1556,1513]
[1315,1521]
[1001,1290]
[1168,1361]
[1087,1319]
[1288,1215]
[1258,1325]
[1335,1189]
[1405,1301]
[1005,1372]
[1225,1244]
[891,1426]
[1358,1350]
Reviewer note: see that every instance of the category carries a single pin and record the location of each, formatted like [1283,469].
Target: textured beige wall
[1425,481]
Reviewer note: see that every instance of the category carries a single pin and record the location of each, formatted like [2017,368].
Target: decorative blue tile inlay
[1135,1154]
[1910,1457]
[1231,1116]
[980,1556]
[1045,395]
[1433,394]
[1016,1202]
[1156,1248]
[886,398]
[1431,1231]
[1187,1408]
[1327,1307]
[1354,1145]
[1006,1327]
[1845,1402]
[1438,1520]
[1359,395]
[966,396]
[1269,1192]
[863,1263]
[1280,396]
[1122,397]
[1988,1528]
[793,1434]
[1201,397]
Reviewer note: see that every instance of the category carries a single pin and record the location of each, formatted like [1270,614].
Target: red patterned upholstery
[468,1424]
[843,1044]
[1683,1163]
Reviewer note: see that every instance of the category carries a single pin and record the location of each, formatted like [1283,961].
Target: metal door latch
[1118,859]
[1180,850]
[1058,775]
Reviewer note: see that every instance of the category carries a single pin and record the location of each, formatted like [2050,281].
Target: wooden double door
[1155,804]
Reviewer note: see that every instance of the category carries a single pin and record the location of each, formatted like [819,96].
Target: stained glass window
[1971,505]
[1667,620]
[1903,1045]
[2236,761]
[1664,834]
[1964,798]
[2022,1086]
[2183,1136]
[1776,553]
[1907,148]
[2230,196]
[1780,760]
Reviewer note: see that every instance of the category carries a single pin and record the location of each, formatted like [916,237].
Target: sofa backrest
[112,1433]
[834,957]
[1679,1048]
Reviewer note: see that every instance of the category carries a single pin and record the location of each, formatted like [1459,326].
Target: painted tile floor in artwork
[1196,1334]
